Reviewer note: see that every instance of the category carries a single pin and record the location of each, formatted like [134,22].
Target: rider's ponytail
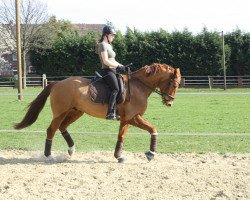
[97,42]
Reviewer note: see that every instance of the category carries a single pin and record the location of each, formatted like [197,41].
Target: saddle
[99,91]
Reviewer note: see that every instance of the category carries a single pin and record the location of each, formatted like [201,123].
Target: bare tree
[33,17]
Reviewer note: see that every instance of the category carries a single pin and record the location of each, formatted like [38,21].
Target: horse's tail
[35,107]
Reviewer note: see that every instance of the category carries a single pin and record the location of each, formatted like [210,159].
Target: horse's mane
[152,69]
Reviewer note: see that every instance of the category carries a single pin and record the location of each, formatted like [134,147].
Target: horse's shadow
[44,161]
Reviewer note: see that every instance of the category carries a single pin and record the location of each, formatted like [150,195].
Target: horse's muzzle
[169,104]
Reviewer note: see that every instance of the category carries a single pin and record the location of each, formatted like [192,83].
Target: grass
[201,112]
[133,143]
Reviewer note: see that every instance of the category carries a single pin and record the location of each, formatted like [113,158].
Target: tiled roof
[90,27]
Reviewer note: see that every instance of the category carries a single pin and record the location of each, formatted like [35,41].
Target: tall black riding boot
[111,107]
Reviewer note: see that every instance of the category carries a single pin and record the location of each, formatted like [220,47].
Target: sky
[151,15]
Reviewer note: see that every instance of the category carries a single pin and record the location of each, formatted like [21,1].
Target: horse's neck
[150,81]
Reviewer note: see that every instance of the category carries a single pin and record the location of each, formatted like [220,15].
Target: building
[83,28]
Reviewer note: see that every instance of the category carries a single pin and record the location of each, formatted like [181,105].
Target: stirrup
[118,117]
[111,116]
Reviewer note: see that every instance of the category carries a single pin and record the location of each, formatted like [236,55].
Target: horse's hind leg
[72,116]
[54,125]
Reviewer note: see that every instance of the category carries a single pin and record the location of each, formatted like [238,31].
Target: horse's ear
[177,72]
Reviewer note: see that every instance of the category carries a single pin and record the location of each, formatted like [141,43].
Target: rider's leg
[111,114]
[112,82]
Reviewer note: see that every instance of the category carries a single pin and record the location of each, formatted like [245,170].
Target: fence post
[240,82]
[16,81]
[210,82]
[182,82]
[44,81]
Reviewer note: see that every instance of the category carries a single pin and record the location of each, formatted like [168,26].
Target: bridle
[162,94]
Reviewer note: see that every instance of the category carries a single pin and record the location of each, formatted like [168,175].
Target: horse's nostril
[169,104]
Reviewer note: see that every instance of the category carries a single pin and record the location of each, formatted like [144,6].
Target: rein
[157,91]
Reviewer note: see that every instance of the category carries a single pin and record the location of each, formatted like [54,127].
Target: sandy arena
[97,175]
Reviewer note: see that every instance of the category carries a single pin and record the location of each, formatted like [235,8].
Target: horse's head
[169,85]
[169,80]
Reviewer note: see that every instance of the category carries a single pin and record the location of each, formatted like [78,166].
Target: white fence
[187,81]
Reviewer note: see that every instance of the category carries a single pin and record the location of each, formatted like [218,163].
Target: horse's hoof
[71,150]
[150,155]
[121,159]
[50,158]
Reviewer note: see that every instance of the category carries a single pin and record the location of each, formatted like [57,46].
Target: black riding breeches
[109,76]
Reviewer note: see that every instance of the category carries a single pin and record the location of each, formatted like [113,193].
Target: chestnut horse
[70,100]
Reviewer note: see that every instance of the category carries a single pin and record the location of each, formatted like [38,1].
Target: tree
[51,30]
[68,52]
[239,43]
[33,16]
[120,48]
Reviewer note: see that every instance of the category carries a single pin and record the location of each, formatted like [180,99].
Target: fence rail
[215,81]
[186,81]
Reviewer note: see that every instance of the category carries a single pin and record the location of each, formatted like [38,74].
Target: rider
[109,67]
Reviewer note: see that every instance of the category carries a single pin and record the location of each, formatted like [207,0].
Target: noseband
[163,94]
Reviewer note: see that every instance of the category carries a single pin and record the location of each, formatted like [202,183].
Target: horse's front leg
[139,122]
[120,140]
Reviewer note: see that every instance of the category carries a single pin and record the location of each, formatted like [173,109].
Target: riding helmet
[108,30]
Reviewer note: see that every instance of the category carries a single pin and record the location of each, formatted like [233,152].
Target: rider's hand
[122,68]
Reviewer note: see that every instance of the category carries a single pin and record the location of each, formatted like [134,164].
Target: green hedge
[201,54]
